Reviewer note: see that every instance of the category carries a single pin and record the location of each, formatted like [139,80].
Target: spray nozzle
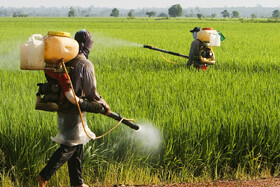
[148,46]
[124,121]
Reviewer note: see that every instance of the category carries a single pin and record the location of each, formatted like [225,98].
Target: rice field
[196,126]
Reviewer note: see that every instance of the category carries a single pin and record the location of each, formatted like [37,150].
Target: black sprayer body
[124,121]
[164,51]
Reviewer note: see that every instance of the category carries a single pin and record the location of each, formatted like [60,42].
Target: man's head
[194,32]
[84,39]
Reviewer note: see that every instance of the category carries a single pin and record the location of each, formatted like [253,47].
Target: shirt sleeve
[89,83]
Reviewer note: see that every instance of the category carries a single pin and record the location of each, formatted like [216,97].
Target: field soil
[271,182]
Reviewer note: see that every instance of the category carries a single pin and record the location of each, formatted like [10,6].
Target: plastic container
[32,53]
[205,34]
[60,45]
[215,40]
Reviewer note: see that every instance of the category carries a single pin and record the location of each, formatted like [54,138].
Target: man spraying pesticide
[201,52]
[69,94]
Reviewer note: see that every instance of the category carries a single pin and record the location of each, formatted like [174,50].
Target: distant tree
[225,13]
[151,14]
[72,12]
[235,14]
[23,15]
[213,15]
[19,14]
[115,12]
[276,14]
[199,16]
[163,15]
[253,15]
[130,14]
[175,10]
[14,14]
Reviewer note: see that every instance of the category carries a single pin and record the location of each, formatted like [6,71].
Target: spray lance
[46,53]
[164,51]
[206,55]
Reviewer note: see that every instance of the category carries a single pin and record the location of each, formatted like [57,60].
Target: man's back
[194,53]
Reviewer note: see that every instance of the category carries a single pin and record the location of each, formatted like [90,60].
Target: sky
[133,4]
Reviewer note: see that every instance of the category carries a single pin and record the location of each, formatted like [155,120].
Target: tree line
[235,14]
[177,11]
[173,11]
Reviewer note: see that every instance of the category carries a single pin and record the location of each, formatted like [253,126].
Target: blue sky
[129,4]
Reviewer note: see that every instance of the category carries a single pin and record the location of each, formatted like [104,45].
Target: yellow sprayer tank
[32,53]
[210,36]
[60,45]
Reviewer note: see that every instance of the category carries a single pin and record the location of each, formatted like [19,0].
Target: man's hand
[92,106]
[107,108]
[105,105]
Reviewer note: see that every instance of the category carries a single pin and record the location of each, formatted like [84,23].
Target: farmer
[194,50]
[71,135]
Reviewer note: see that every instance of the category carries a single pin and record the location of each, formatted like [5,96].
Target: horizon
[135,4]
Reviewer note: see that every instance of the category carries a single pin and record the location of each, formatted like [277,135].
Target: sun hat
[196,29]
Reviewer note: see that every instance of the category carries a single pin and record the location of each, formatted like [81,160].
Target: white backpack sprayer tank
[210,38]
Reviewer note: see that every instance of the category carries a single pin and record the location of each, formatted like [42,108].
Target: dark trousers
[74,156]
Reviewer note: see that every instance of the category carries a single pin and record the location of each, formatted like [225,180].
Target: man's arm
[89,86]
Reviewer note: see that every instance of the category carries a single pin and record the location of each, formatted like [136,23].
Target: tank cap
[59,33]
[207,29]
